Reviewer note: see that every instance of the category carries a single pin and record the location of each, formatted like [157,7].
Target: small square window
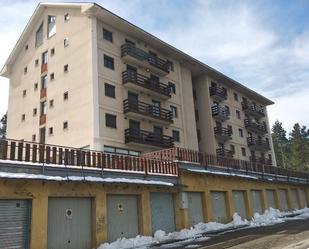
[110,120]
[36,63]
[52,76]
[109,90]
[51,130]
[172,87]
[109,62]
[171,65]
[52,51]
[230,128]
[66,42]
[174,111]
[26,47]
[176,136]
[107,35]
[65,125]
[66,17]
[66,96]
[235,96]
[23,117]
[238,114]
[33,138]
[24,93]
[51,103]
[241,133]
[232,148]
[35,111]
[25,70]
[36,86]
[66,68]
[243,151]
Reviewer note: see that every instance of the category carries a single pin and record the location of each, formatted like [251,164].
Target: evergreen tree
[3,123]
[281,145]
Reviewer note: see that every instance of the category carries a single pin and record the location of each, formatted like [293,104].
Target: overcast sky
[262,44]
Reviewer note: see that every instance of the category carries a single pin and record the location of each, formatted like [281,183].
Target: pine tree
[281,145]
[3,123]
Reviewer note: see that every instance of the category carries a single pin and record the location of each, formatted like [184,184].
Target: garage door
[283,199]
[162,212]
[15,224]
[218,203]
[303,197]
[256,196]
[271,201]
[239,203]
[294,199]
[69,223]
[195,208]
[122,216]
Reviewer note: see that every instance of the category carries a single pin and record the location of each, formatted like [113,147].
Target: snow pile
[271,216]
[140,242]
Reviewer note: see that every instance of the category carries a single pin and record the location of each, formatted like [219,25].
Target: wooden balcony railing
[255,127]
[139,54]
[220,113]
[131,76]
[258,144]
[223,133]
[15,150]
[218,93]
[224,153]
[147,110]
[148,138]
[252,109]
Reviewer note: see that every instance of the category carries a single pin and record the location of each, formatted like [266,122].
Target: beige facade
[163,80]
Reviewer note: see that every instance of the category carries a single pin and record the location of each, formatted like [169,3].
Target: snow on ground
[269,217]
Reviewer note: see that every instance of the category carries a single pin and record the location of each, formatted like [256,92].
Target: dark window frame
[109,62]
[107,35]
[110,120]
[176,135]
[109,90]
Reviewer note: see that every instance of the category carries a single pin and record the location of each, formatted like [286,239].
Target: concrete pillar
[181,212]
[207,208]
[277,200]
[145,225]
[299,201]
[229,205]
[39,221]
[100,219]
[248,204]
[289,199]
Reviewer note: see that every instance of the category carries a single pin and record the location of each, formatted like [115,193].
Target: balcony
[139,109]
[218,93]
[255,127]
[220,113]
[43,93]
[258,144]
[252,109]
[224,153]
[43,119]
[143,83]
[130,53]
[44,68]
[261,160]
[222,134]
[141,137]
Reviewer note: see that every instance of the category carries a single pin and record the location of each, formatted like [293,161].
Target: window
[243,151]
[25,70]
[24,93]
[52,51]
[227,109]
[51,130]
[66,17]
[238,114]
[52,76]
[66,96]
[241,133]
[172,87]
[35,111]
[171,65]
[121,151]
[39,36]
[109,90]
[107,35]
[36,63]
[110,120]
[174,111]
[43,108]
[66,42]
[36,86]
[51,103]
[235,96]
[65,125]
[44,58]
[33,138]
[66,68]
[44,82]
[232,148]
[176,136]
[109,62]
[26,47]
[230,128]
[23,117]
[51,26]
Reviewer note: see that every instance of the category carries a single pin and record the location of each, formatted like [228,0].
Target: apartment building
[82,76]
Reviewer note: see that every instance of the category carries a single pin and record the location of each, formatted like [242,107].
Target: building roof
[92,9]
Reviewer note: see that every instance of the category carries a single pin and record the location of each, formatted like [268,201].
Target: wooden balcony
[136,81]
[218,93]
[255,127]
[258,144]
[139,109]
[220,113]
[224,153]
[130,53]
[260,160]
[222,134]
[43,119]
[252,109]
[43,93]
[141,137]
[44,68]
